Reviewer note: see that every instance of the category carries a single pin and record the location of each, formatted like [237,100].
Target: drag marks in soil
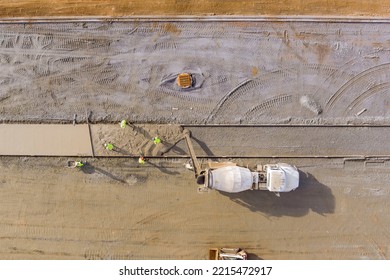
[247,68]
[163,46]
[107,255]
[51,241]
[11,231]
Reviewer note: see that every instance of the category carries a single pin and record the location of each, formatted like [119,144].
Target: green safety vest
[123,124]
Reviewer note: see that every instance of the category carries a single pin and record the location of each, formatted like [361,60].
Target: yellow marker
[109,146]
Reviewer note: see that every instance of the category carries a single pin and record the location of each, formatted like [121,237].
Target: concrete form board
[45,140]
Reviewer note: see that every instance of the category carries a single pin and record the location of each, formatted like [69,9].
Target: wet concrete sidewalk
[292,141]
[81,140]
[44,140]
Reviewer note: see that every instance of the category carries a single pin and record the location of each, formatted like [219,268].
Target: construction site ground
[107,8]
[116,209]
[310,92]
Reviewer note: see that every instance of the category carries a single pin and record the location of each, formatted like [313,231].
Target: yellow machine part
[184,80]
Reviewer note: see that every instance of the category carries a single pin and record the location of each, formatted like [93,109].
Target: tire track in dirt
[219,106]
[362,77]
[48,233]
[74,51]
[372,91]
[243,88]
[266,105]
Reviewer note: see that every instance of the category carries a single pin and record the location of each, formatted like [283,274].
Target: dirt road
[46,8]
[118,210]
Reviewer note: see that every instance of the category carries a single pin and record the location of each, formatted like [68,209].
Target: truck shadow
[252,257]
[311,195]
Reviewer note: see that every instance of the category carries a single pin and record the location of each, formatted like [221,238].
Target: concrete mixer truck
[228,177]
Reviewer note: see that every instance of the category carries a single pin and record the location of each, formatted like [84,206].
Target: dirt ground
[116,209]
[245,72]
[248,72]
[136,140]
[49,8]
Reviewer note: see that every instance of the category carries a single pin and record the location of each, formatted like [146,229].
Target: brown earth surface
[49,8]
[116,209]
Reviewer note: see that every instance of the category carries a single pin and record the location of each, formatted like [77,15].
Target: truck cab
[281,177]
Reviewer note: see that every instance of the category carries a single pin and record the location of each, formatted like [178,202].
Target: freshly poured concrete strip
[45,140]
[291,141]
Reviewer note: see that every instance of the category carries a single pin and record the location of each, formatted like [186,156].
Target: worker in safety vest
[123,123]
[141,160]
[78,164]
[156,140]
[109,146]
